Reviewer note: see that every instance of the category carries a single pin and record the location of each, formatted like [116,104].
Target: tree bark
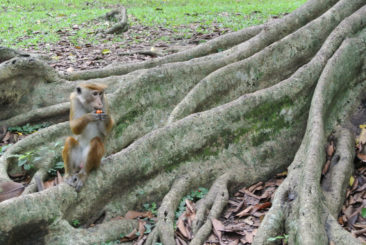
[230,112]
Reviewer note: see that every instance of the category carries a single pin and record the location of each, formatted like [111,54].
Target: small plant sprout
[75,223]
[280,237]
[27,159]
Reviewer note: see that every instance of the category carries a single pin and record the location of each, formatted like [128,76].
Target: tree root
[301,193]
[205,94]
[214,202]
[122,24]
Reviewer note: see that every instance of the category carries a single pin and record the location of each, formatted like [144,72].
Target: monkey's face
[91,100]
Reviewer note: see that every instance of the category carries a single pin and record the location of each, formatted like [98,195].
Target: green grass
[26,23]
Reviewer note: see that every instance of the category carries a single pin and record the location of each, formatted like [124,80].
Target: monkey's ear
[78,90]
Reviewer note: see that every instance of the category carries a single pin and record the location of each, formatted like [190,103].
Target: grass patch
[26,23]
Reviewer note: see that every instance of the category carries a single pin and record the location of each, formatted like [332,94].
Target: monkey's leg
[95,154]
[69,155]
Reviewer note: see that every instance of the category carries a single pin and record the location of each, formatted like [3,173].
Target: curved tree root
[214,202]
[244,78]
[122,24]
[298,202]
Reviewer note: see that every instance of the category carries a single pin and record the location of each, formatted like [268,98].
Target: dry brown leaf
[182,228]
[361,226]
[353,218]
[249,237]
[6,137]
[330,149]
[180,241]
[218,227]
[129,237]
[239,206]
[261,206]
[135,214]
[49,183]
[141,229]
[245,212]
[245,191]
[190,207]
[60,179]
[142,241]
[10,189]
[256,187]
[326,167]
[361,156]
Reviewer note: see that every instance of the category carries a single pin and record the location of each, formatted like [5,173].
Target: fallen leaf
[218,227]
[180,241]
[261,206]
[182,228]
[351,181]
[255,187]
[49,183]
[245,212]
[249,237]
[190,206]
[106,51]
[326,167]
[340,221]
[129,237]
[135,214]
[10,189]
[245,191]
[361,156]
[6,137]
[60,179]
[330,149]
[141,229]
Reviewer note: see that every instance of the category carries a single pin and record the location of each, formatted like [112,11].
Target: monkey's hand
[93,117]
[104,116]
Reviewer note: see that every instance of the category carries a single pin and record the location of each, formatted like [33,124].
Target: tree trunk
[230,112]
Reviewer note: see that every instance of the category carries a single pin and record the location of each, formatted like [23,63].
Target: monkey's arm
[78,125]
[109,123]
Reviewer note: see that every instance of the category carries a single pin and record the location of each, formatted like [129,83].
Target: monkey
[90,122]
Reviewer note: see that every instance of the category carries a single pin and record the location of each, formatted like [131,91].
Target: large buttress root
[299,204]
[203,118]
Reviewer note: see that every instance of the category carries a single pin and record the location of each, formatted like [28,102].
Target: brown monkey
[90,122]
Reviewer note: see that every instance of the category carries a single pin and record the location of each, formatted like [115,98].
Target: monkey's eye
[101,93]
[95,93]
